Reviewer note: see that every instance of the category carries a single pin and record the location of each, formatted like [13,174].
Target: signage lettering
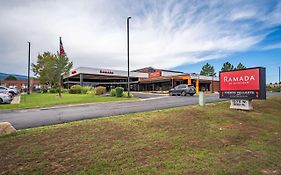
[106,72]
[235,79]
[154,74]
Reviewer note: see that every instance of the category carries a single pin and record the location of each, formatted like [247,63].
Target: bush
[64,91]
[92,91]
[273,89]
[113,92]
[86,89]
[53,90]
[44,91]
[119,91]
[100,90]
[75,89]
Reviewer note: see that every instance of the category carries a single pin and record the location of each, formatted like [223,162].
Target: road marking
[153,98]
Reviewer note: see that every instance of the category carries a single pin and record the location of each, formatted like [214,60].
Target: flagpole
[28,70]
[128,62]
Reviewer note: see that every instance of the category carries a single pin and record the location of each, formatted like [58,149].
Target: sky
[169,34]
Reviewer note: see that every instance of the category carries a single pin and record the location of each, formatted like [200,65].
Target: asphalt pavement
[30,118]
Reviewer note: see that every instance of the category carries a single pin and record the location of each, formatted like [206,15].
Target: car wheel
[191,94]
[1,101]
[183,93]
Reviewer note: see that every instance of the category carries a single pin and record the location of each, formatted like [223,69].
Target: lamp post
[128,47]
[279,80]
[213,82]
[28,70]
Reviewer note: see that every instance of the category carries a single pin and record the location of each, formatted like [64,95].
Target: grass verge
[43,100]
[187,140]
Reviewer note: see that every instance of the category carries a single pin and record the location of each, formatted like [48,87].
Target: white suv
[3,89]
[5,98]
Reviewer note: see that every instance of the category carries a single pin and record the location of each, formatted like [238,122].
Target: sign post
[242,86]
[201,99]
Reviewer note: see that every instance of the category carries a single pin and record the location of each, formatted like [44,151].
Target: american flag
[62,53]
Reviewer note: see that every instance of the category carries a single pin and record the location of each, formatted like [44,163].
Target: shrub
[119,91]
[64,91]
[44,91]
[113,92]
[273,89]
[92,91]
[125,94]
[75,89]
[100,90]
[53,90]
[86,89]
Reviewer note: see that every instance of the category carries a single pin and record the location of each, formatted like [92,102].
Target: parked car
[5,98]
[182,90]
[4,89]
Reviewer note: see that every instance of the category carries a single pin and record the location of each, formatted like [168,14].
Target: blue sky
[168,34]
[265,54]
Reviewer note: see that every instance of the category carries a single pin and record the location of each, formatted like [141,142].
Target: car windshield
[181,86]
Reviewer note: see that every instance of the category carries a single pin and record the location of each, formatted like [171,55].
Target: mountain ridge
[19,77]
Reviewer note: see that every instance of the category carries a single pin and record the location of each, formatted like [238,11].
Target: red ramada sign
[243,84]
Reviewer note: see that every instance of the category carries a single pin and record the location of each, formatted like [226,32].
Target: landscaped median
[48,99]
[187,140]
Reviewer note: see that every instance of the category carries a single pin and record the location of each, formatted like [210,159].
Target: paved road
[145,95]
[29,118]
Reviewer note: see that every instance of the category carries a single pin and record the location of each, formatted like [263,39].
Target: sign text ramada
[237,79]
[243,84]
[106,72]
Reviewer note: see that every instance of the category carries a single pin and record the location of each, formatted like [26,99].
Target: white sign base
[201,99]
[241,104]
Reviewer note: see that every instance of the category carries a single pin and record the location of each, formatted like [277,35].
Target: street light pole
[279,80]
[128,47]
[213,82]
[28,70]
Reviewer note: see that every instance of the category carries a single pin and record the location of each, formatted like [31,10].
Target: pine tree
[227,67]
[207,70]
[240,66]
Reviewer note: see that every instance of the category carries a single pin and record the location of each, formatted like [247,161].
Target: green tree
[227,67]
[240,66]
[50,68]
[11,77]
[207,70]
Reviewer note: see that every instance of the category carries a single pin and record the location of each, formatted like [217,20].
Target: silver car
[182,90]
[5,98]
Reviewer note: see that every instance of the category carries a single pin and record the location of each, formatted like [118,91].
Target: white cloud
[272,46]
[164,34]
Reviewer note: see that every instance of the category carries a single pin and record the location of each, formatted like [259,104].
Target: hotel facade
[145,79]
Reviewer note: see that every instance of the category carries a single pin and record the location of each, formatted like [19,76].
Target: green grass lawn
[43,100]
[186,140]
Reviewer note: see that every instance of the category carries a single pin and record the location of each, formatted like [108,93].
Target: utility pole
[128,47]
[28,70]
[213,74]
[279,80]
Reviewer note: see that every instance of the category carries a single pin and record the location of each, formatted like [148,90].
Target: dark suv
[182,90]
